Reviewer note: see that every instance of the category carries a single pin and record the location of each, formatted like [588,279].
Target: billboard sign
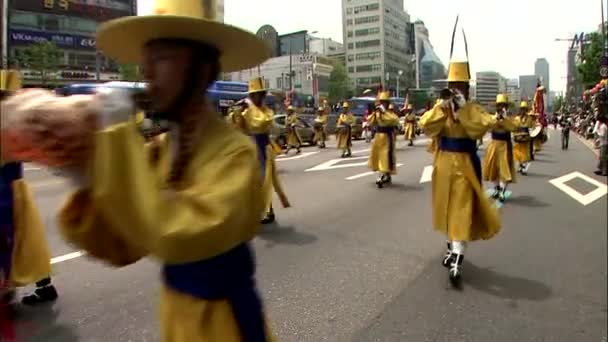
[64,41]
[99,10]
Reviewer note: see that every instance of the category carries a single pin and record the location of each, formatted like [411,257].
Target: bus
[360,106]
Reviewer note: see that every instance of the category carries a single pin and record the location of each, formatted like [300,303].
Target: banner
[64,41]
[100,10]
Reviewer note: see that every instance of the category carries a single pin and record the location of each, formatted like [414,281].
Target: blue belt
[229,276]
[262,141]
[505,136]
[463,145]
[9,173]
[523,129]
[390,131]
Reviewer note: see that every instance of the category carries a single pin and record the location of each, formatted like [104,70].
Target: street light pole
[399,73]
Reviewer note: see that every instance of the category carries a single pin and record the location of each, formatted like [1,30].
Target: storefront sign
[64,41]
[100,10]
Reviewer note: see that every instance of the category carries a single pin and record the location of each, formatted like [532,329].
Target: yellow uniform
[382,157]
[235,119]
[293,138]
[410,126]
[521,150]
[460,207]
[498,164]
[129,212]
[344,130]
[258,123]
[320,132]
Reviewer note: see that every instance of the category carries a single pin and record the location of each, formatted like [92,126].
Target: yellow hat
[459,72]
[257,85]
[124,38]
[10,80]
[384,96]
[391,106]
[290,108]
[438,101]
[409,106]
[321,109]
[523,104]
[345,104]
[502,99]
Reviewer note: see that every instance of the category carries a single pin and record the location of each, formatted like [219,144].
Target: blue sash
[523,129]
[229,276]
[390,131]
[463,145]
[9,173]
[505,136]
[262,141]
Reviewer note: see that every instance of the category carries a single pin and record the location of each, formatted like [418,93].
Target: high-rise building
[527,86]
[487,86]
[325,46]
[513,91]
[71,25]
[541,71]
[219,8]
[376,38]
[429,68]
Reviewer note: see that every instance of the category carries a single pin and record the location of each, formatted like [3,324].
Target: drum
[535,132]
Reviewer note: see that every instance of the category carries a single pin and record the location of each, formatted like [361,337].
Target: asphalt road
[350,262]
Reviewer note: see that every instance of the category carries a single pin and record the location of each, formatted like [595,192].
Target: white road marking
[365,174]
[67,257]
[600,191]
[32,169]
[48,183]
[333,164]
[427,174]
[299,156]
[362,151]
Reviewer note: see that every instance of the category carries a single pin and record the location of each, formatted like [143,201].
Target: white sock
[459,247]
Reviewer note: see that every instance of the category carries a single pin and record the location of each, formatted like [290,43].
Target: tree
[338,83]
[129,72]
[43,58]
[559,102]
[589,67]
[419,99]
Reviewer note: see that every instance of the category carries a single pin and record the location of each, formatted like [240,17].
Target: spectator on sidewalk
[602,133]
[565,123]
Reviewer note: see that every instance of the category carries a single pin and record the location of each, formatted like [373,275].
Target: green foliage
[419,99]
[338,83]
[43,58]
[559,102]
[129,73]
[589,66]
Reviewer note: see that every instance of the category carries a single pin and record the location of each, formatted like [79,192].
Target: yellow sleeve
[433,121]
[509,124]
[340,120]
[372,119]
[217,211]
[257,118]
[476,121]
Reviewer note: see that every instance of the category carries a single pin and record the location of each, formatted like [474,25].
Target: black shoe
[455,272]
[496,192]
[448,258]
[298,151]
[380,182]
[349,154]
[40,295]
[600,173]
[410,144]
[268,219]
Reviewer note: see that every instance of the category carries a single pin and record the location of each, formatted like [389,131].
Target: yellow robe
[320,133]
[31,259]
[496,165]
[381,154]
[235,119]
[128,212]
[344,135]
[259,121]
[521,150]
[293,138]
[460,207]
[410,126]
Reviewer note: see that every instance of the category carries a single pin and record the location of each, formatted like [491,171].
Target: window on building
[349,10]
[351,58]
[349,34]
[279,82]
[349,22]
[368,68]
[363,80]
[375,80]
[267,84]
[351,69]
[365,20]
[368,55]
[368,31]
[364,8]
[368,43]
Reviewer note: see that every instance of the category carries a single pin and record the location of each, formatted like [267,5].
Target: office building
[487,86]
[283,45]
[310,74]
[376,39]
[541,71]
[513,91]
[429,69]
[527,87]
[325,47]
[71,25]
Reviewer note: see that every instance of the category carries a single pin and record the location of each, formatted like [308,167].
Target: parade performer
[24,255]
[460,207]
[196,209]
[382,158]
[410,124]
[258,122]
[291,126]
[522,150]
[498,165]
[320,128]
[344,130]
[539,112]
[235,118]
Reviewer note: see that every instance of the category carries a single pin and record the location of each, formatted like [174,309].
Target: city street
[350,262]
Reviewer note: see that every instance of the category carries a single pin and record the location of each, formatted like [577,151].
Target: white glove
[459,99]
[455,114]
[446,103]
[116,106]
[248,101]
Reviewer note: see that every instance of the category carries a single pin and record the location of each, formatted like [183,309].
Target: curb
[589,145]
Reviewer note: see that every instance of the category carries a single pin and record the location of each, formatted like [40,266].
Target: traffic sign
[604,71]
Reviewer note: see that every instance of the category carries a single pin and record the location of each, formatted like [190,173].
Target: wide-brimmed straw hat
[194,20]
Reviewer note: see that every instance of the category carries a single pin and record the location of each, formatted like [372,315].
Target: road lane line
[334,164]
[299,156]
[67,257]
[427,174]
[48,183]
[362,151]
[365,174]
[585,199]
[32,169]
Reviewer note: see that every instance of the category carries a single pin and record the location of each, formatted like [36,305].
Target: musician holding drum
[344,130]
[522,149]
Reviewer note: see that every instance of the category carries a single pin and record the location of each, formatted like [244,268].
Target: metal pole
[97,66]
[290,67]
[4,38]
[398,77]
[603,29]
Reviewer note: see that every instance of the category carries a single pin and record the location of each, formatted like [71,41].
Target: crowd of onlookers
[590,126]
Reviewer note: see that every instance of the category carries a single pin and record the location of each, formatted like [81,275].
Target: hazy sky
[503,36]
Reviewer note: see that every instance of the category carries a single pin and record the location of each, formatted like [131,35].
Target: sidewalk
[589,144]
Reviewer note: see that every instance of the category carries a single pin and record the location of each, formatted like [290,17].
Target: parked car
[304,127]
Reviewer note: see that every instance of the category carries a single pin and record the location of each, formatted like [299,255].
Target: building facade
[325,47]
[428,67]
[513,91]
[527,87]
[71,25]
[488,85]
[541,71]
[310,74]
[376,39]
